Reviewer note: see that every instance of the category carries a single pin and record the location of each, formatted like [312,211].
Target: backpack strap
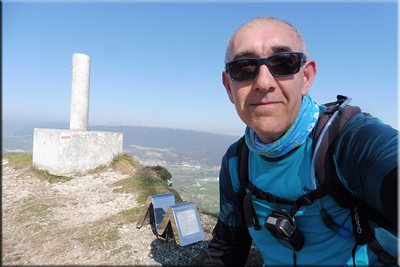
[328,177]
[325,166]
[365,235]
[244,201]
[248,215]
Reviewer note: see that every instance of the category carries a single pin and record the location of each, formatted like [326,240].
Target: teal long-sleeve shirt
[365,153]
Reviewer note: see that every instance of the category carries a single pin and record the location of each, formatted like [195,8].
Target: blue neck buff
[294,137]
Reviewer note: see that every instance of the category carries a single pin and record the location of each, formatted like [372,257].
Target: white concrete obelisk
[65,152]
[79,116]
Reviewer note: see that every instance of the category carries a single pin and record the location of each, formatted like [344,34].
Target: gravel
[78,222]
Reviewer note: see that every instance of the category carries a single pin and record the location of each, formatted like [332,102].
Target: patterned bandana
[294,137]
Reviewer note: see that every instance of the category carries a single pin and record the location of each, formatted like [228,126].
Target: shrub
[162,172]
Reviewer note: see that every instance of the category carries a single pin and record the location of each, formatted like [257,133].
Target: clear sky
[160,64]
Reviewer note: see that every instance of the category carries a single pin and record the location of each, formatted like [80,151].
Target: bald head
[260,22]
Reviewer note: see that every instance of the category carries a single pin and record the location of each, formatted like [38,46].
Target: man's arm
[367,156]
[389,197]
[229,247]
[231,241]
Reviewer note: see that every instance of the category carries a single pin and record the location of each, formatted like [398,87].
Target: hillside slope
[88,219]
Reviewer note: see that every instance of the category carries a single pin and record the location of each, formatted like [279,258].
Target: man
[268,78]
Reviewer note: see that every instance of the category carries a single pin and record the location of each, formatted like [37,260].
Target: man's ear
[310,70]
[226,81]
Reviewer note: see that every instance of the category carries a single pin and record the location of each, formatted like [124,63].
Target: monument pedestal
[63,152]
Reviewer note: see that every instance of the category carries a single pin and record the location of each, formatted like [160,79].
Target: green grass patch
[123,163]
[101,233]
[120,249]
[45,175]
[32,210]
[142,198]
[131,215]
[112,234]
[146,182]
[100,169]
[19,160]
[130,212]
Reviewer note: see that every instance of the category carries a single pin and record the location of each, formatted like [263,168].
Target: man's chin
[270,135]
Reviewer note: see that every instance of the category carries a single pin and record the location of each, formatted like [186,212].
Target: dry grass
[101,233]
[45,175]
[19,161]
[124,163]
[146,182]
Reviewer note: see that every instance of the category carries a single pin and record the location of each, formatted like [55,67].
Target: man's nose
[264,80]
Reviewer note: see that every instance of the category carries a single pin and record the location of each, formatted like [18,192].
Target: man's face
[267,104]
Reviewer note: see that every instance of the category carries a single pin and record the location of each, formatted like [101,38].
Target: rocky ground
[79,222]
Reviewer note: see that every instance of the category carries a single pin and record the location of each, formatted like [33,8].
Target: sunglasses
[280,65]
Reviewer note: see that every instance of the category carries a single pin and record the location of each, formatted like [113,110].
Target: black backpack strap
[244,200]
[365,235]
[248,215]
[325,166]
[243,158]
[249,211]
[327,176]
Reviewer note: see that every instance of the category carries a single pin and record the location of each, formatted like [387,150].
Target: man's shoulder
[365,126]
[233,149]
[356,120]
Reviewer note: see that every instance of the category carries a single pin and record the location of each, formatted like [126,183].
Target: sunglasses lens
[242,70]
[284,64]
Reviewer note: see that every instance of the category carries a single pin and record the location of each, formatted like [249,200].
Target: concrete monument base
[63,152]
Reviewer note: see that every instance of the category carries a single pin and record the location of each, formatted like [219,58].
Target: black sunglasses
[280,65]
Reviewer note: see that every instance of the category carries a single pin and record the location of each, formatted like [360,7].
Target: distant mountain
[153,145]
[9,128]
[174,146]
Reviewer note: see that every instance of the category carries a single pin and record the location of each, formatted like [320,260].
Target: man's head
[267,103]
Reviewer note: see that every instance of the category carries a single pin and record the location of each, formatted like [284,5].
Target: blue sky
[160,64]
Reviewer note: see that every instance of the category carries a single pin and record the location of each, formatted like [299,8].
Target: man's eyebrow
[244,54]
[281,49]
[251,54]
